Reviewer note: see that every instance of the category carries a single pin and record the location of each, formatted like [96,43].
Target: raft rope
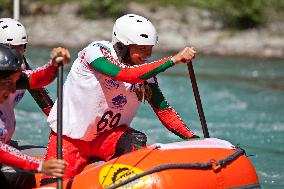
[215,165]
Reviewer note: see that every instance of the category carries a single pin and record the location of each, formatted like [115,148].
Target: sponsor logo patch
[119,101]
[19,97]
[111,84]
[115,173]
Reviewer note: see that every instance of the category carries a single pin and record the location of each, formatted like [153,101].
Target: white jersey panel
[93,102]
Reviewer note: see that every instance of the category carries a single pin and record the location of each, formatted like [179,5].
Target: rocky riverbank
[176,29]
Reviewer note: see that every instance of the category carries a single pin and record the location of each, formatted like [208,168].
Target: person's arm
[42,76]
[100,59]
[12,157]
[167,115]
[34,80]
[40,95]
[42,98]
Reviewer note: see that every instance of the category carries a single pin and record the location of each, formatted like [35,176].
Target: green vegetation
[235,14]
[54,2]
[103,8]
[5,5]
[241,14]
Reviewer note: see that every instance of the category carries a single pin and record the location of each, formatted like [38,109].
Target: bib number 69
[108,119]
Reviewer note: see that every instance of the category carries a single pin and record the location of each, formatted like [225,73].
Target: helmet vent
[4,27]
[24,37]
[114,33]
[139,21]
[144,35]
[9,39]
[131,16]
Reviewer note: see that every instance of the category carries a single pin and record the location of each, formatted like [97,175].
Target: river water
[243,101]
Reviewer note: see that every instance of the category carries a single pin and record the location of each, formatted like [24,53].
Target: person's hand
[54,167]
[186,55]
[60,55]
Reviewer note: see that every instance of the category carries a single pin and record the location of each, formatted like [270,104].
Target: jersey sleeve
[100,58]
[167,115]
[39,94]
[42,99]
[37,78]
[13,157]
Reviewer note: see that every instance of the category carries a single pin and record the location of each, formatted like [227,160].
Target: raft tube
[200,163]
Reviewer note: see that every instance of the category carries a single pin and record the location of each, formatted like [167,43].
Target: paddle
[197,100]
[59,113]
[59,117]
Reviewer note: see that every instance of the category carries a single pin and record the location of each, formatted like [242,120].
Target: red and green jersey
[102,93]
[102,58]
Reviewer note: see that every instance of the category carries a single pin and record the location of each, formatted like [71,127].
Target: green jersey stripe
[157,70]
[157,98]
[102,65]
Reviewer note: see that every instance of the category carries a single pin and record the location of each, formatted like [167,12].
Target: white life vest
[92,101]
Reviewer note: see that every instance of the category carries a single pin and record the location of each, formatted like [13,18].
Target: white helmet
[134,29]
[12,32]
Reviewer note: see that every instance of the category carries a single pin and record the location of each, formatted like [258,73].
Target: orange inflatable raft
[200,163]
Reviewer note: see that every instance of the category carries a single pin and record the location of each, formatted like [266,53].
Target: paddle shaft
[197,100]
[59,116]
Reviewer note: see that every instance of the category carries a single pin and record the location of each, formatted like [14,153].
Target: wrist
[175,60]
[53,63]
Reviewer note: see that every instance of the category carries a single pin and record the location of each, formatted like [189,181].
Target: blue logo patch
[111,84]
[119,101]
[18,97]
